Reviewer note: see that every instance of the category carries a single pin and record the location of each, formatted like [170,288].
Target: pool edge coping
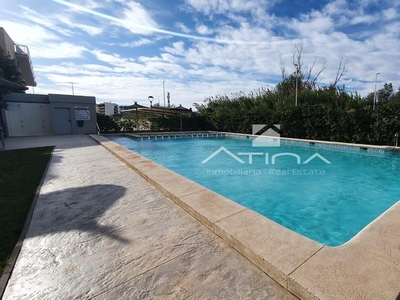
[322,142]
[281,253]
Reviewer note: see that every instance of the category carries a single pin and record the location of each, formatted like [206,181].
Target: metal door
[63,120]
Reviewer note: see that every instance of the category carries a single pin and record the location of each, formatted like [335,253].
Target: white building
[107,108]
[53,114]
[34,115]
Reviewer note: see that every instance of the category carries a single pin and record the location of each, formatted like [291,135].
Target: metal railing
[98,129]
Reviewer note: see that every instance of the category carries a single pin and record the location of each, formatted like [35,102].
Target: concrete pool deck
[100,231]
[366,267]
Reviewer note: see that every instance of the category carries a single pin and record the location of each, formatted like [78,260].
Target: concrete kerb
[7,271]
[206,216]
[359,269]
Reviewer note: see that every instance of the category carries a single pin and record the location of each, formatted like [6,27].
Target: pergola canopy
[157,110]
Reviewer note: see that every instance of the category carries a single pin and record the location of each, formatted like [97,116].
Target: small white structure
[34,115]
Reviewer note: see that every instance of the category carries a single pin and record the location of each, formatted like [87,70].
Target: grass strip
[20,174]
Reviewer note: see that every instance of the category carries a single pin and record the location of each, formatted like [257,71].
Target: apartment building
[107,108]
[21,54]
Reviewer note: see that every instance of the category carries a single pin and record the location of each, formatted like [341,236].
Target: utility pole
[163,84]
[72,86]
[376,79]
[297,72]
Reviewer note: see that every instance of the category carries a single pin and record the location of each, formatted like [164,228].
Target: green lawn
[20,174]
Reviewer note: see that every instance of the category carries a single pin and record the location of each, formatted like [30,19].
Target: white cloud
[74,70]
[57,51]
[390,13]
[91,30]
[169,58]
[56,22]
[178,48]
[368,19]
[210,7]
[91,4]
[42,43]
[313,23]
[337,7]
[203,29]
[112,59]
[28,34]
[48,22]
[137,19]
[125,89]
[196,69]
[137,43]
[163,64]
[182,27]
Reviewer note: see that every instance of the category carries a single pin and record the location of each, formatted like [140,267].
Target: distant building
[107,108]
[21,54]
[125,110]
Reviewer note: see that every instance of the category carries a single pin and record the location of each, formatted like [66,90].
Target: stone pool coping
[319,142]
[366,267]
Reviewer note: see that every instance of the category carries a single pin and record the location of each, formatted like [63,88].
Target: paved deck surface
[100,231]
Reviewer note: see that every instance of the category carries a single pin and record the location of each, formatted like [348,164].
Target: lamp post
[376,79]
[72,85]
[151,98]
[163,85]
[297,71]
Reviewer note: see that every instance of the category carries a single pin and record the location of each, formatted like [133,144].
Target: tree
[341,70]
[396,96]
[107,123]
[386,93]
[307,77]
[383,95]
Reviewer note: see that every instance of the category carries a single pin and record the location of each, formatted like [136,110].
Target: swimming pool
[327,193]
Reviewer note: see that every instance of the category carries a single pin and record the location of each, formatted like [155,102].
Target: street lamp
[376,79]
[297,71]
[151,98]
[163,85]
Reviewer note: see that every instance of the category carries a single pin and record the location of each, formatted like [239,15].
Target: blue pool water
[328,199]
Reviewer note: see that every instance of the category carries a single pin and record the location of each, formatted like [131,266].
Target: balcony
[24,64]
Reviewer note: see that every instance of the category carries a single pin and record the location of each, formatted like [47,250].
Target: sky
[125,51]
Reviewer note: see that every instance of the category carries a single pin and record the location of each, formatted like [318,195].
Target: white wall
[6,43]
[31,115]
[109,108]
[28,119]
[69,101]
